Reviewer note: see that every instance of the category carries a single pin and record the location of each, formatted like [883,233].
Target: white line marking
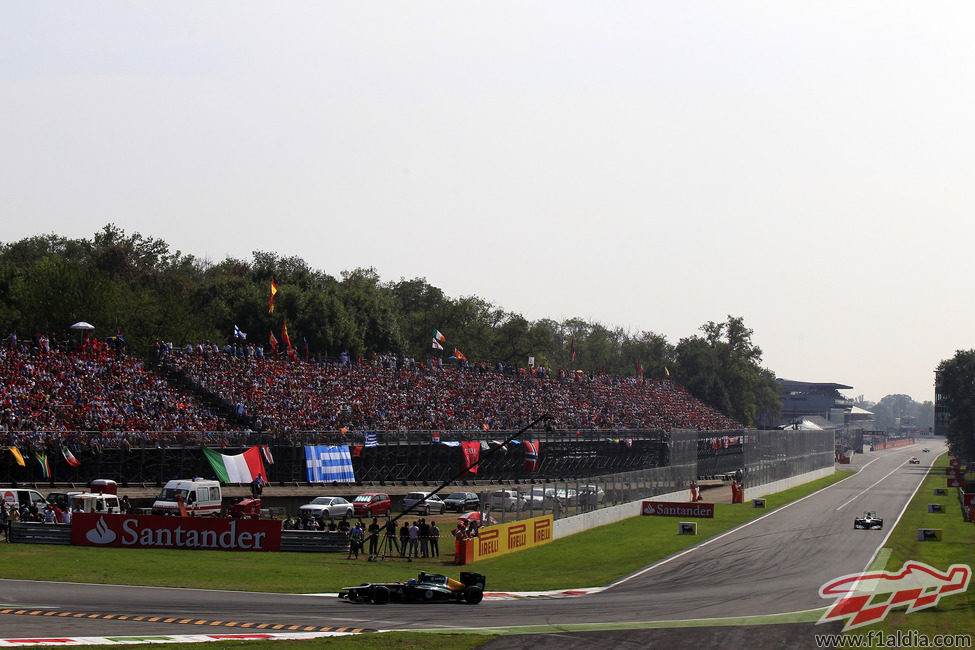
[864,491]
[725,534]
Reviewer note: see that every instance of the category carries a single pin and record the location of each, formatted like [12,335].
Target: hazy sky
[649,165]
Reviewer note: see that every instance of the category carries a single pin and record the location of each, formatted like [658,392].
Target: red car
[372,504]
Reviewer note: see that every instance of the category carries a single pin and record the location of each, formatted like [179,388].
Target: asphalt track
[772,566]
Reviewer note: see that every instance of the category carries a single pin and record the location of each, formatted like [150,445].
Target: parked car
[462,501]
[327,508]
[539,497]
[424,503]
[372,504]
[592,494]
[566,496]
[507,500]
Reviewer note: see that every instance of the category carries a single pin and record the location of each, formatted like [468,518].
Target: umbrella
[82,325]
[476,516]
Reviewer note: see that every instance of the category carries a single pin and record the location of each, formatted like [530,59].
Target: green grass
[599,556]
[956,613]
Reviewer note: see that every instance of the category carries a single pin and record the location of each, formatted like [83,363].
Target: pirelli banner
[493,541]
[678,509]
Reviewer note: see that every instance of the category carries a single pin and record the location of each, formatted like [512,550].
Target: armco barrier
[30,532]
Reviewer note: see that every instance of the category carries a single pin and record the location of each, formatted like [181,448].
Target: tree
[956,385]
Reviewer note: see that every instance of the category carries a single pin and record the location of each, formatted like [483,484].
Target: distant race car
[926,450]
[425,588]
[914,460]
[868,521]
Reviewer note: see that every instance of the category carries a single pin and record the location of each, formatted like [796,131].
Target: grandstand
[96,398]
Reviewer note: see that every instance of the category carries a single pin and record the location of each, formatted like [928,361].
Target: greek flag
[327,464]
[239,334]
[371,440]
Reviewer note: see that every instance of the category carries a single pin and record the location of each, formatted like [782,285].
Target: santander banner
[678,509]
[158,531]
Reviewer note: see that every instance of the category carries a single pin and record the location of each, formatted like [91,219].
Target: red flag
[472,454]
[572,349]
[274,343]
[459,355]
[639,370]
[274,290]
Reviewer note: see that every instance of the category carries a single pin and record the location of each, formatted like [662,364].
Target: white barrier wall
[612,514]
[603,516]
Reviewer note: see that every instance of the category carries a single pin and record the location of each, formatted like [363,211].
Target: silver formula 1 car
[868,521]
[425,588]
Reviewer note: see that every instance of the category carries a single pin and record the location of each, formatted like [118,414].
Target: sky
[645,165]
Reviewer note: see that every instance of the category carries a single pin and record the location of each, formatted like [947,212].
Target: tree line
[138,286]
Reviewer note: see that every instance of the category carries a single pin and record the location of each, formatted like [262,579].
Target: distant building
[820,403]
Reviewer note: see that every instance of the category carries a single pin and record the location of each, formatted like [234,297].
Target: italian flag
[242,468]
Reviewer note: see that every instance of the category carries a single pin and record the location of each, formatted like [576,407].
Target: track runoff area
[268,632]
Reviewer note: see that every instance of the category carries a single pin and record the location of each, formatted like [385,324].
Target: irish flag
[242,468]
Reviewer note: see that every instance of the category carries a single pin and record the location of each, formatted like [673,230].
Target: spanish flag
[284,334]
[274,290]
[17,456]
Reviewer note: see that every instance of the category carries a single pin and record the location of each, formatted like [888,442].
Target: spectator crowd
[95,393]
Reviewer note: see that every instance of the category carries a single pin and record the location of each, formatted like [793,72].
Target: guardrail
[29,532]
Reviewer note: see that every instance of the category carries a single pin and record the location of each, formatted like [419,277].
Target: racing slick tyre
[380,595]
[473,595]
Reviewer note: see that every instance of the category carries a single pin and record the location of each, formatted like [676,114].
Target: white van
[200,497]
[15,497]
[102,503]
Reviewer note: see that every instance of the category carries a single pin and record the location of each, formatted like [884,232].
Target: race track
[773,565]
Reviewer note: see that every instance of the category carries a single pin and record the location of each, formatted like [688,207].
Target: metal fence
[775,455]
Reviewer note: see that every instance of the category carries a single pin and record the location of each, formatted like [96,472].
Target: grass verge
[956,613]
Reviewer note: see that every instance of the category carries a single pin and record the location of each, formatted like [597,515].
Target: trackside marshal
[678,509]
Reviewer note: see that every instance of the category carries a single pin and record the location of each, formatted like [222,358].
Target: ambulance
[199,497]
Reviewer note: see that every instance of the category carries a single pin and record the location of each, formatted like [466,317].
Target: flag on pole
[437,336]
[274,343]
[284,334]
[239,333]
[326,464]
[531,456]
[459,355]
[239,468]
[17,456]
[436,345]
[274,290]
[69,457]
[45,464]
